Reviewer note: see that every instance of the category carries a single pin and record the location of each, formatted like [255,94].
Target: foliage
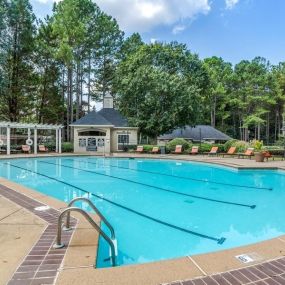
[220,73]
[206,147]
[67,147]
[170,146]
[256,144]
[280,142]
[241,146]
[159,86]
[229,144]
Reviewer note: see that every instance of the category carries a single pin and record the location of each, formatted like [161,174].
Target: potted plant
[258,154]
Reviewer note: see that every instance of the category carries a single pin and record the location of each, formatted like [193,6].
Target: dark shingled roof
[193,133]
[105,117]
[114,117]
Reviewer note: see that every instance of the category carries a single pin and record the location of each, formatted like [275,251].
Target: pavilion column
[56,140]
[8,136]
[35,141]
[59,140]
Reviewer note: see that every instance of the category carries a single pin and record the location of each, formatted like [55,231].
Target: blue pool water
[163,209]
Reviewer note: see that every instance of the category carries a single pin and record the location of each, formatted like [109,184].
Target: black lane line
[154,187]
[218,240]
[181,177]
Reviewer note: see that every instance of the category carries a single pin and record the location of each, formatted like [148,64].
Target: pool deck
[27,236]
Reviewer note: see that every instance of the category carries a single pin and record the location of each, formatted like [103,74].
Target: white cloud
[230,4]
[143,15]
[153,40]
[178,29]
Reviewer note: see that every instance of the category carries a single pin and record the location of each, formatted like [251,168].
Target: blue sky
[231,29]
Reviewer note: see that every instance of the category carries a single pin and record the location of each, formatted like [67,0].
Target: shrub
[280,141]
[50,145]
[229,144]
[170,146]
[256,144]
[67,147]
[241,146]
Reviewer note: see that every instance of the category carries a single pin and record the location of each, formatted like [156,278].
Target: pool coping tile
[32,271]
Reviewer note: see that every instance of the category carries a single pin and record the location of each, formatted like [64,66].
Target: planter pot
[259,157]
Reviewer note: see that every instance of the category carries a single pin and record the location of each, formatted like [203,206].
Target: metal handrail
[58,243]
[67,226]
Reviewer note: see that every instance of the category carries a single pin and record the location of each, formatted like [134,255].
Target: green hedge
[206,147]
[170,146]
[67,147]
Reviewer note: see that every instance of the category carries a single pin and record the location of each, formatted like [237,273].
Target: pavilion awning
[30,126]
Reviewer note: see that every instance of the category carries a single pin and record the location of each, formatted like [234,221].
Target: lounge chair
[43,148]
[194,150]
[26,148]
[213,151]
[155,149]
[178,149]
[248,153]
[139,149]
[231,151]
[267,155]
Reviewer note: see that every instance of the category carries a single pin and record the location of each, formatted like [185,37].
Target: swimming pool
[163,209]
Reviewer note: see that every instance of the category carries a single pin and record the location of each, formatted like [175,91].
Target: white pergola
[34,127]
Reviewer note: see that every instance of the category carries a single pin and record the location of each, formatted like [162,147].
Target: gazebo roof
[104,117]
[30,126]
[193,133]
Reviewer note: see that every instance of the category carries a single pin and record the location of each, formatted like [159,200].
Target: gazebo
[29,126]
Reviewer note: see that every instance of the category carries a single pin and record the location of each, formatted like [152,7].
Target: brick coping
[267,273]
[42,263]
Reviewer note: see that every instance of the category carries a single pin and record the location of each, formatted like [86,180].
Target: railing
[67,225]
[67,211]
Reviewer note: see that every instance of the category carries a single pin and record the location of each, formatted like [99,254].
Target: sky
[231,29]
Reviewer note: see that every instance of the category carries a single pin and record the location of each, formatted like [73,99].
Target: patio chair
[194,150]
[213,151]
[178,149]
[43,148]
[248,153]
[267,155]
[26,149]
[155,149]
[231,151]
[139,149]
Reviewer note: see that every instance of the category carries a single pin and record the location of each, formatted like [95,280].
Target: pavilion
[29,127]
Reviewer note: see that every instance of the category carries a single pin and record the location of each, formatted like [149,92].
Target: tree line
[52,69]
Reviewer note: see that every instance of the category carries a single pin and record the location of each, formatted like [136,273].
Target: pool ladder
[66,212]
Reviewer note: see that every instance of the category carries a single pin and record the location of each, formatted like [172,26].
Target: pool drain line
[182,177]
[154,187]
[218,240]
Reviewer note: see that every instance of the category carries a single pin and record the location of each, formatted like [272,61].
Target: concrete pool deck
[21,229]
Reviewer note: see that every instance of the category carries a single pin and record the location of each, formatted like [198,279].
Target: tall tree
[252,96]
[17,92]
[219,72]
[71,19]
[50,103]
[106,55]
[159,87]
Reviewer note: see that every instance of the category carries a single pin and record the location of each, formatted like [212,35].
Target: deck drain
[42,208]
[248,257]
